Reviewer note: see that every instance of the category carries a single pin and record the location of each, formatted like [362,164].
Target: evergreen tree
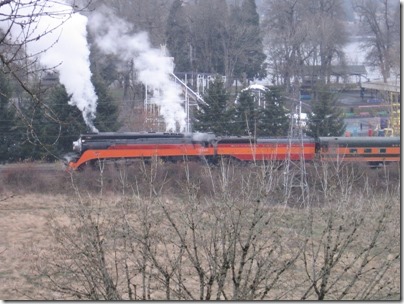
[275,121]
[51,136]
[12,130]
[177,34]
[326,118]
[69,125]
[246,119]
[107,110]
[106,66]
[7,120]
[207,29]
[105,72]
[214,116]
[252,60]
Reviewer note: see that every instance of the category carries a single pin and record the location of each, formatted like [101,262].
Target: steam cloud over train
[179,146]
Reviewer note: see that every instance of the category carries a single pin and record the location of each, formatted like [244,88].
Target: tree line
[233,38]
[244,116]
[45,130]
[54,125]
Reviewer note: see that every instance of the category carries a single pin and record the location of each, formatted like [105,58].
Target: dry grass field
[23,228]
[177,231]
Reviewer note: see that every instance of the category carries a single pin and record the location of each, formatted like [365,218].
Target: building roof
[336,70]
[381,86]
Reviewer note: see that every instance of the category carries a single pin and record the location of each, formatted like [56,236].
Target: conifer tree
[214,116]
[275,121]
[206,35]
[252,60]
[7,120]
[246,115]
[177,34]
[326,118]
[50,137]
[107,111]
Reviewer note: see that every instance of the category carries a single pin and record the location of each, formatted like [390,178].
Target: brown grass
[29,193]
[23,228]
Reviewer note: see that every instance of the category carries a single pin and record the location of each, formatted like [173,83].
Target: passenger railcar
[374,150]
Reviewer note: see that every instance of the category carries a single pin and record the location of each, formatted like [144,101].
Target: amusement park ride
[391,100]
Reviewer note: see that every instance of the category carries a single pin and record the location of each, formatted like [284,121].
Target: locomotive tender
[177,146]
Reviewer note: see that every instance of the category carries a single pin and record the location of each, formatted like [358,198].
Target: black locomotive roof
[365,141]
[130,135]
[285,140]
[261,140]
[236,139]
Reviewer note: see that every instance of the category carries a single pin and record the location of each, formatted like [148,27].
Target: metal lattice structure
[189,99]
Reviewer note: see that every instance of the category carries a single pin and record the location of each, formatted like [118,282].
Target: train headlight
[77,145]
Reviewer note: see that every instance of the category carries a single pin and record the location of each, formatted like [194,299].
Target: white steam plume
[152,66]
[63,47]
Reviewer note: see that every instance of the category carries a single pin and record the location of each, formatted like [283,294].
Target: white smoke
[63,47]
[113,36]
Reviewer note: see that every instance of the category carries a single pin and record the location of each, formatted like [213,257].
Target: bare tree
[143,15]
[18,28]
[242,46]
[25,15]
[302,33]
[286,33]
[242,240]
[352,248]
[232,240]
[380,21]
[327,34]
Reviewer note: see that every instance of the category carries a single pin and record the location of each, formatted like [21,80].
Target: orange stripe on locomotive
[268,151]
[142,151]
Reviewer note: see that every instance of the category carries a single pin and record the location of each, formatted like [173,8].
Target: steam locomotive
[177,146]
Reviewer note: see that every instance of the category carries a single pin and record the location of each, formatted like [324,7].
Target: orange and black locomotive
[174,146]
